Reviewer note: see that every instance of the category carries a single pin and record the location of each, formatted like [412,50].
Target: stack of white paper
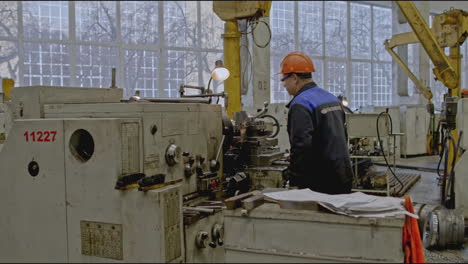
[355,204]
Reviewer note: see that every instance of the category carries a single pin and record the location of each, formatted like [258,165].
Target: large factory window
[310,27]
[345,40]
[282,42]
[96,21]
[141,72]
[94,65]
[8,19]
[155,46]
[212,28]
[45,20]
[180,22]
[8,43]
[336,77]
[139,22]
[336,28]
[360,31]
[46,64]
[179,65]
[382,77]
[8,59]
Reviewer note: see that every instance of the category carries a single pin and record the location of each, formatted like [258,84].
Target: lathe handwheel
[275,124]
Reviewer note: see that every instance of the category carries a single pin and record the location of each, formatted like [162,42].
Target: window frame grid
[72,43]
[348,59]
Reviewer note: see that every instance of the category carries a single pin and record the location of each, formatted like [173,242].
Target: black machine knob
[200,240]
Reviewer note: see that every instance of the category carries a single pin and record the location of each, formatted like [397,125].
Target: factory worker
[319,157]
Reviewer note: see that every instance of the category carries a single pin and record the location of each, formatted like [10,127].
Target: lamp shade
[220,74]
[345,102]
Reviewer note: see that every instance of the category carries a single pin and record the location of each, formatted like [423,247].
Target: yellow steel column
[455,60]
[232,86]
[7,85]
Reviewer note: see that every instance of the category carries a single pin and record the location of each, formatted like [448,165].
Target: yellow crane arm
[442,67]
[401,39]
[407,38]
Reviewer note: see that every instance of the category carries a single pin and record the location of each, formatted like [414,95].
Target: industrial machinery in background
[449,30]
[372,137]
[251,153]
[440,227]
[248,163]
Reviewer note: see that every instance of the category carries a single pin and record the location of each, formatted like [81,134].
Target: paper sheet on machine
[355,204]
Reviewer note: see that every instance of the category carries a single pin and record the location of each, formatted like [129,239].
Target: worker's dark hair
[302,75]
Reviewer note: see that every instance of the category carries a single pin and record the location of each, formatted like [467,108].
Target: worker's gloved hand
[286,175]
[290,176]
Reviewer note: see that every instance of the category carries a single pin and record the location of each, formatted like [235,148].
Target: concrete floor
[427,191]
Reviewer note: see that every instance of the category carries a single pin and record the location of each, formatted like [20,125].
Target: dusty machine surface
[249,162]
[106,180]
[271,234]
[177,140]
[60,204]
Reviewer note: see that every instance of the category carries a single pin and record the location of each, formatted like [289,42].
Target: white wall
[440,6]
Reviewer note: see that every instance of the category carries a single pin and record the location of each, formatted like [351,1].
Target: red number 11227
[40,136]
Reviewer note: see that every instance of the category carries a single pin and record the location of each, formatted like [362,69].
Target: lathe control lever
[216,236]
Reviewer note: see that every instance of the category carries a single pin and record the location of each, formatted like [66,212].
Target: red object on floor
[412,243]
[464,93]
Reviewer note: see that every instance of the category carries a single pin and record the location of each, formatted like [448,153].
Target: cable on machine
[269,34]
[381,147]
[448,186]
[250,61]
[253,23]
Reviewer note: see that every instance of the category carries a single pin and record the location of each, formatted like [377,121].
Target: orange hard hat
[297,62]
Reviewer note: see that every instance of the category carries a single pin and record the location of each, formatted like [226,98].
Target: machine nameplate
[152,161]
[101,240]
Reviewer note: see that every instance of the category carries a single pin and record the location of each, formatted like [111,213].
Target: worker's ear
[296,78]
